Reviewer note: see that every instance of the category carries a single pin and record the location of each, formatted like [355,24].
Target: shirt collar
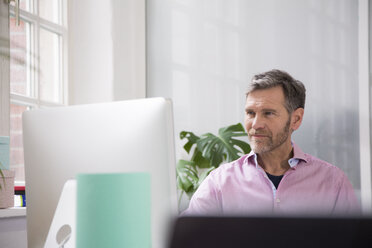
[298,155]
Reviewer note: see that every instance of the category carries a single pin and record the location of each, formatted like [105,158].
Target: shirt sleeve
[206,200]
[347,202]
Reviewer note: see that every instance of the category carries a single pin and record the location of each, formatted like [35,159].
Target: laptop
[259,232]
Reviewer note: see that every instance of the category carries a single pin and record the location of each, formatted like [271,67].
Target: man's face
[267,121]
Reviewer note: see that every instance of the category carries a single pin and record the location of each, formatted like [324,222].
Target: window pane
[16,141]
[21,57]
[50,69]
[24,4]
[50,10]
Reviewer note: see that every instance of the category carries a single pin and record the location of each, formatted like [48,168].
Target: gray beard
[270,145]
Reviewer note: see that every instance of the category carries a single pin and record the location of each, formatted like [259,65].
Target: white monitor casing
[126,136]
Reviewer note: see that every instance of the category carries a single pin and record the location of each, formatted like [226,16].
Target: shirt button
[277,200]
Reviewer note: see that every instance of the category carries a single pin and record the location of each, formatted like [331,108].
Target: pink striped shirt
[310,187]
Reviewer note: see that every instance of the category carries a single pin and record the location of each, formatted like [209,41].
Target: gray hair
[294,91]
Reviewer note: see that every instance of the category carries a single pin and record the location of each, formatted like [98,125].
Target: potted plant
[207,152]
[2,175]
[6,188]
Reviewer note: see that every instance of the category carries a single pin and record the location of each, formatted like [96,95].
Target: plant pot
[7,189]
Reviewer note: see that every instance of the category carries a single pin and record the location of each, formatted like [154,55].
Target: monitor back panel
[127,136]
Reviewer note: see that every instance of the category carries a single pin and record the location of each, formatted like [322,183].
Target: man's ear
[297,117]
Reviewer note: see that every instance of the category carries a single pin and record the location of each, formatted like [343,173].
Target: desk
[13,212]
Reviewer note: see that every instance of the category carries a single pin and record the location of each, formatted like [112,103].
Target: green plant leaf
[192,139]
[197,156]
[207,152]
[223,148]
[200,161]
[187,176]
[243,145]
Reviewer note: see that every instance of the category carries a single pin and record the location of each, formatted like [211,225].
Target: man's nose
[258,122]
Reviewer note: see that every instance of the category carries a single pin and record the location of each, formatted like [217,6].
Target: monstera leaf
[223,148]
[197,157]
[207,152]
[188,176]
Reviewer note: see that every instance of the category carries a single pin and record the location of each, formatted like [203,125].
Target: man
[276,177]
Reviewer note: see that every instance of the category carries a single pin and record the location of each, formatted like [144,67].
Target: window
[38,76]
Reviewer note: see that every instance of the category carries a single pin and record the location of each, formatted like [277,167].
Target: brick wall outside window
[36,76]
[18,85]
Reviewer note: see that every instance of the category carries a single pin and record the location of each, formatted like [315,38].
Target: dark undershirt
[275,179]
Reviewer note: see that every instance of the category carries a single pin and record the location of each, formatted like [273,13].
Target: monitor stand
[62,232]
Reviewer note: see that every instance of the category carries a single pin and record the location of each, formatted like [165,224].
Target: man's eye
[269,113]
[249,113]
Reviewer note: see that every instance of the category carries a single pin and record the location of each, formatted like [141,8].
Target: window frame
[4,71]
[32,99]
[60,29]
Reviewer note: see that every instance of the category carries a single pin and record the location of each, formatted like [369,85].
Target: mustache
[252,132]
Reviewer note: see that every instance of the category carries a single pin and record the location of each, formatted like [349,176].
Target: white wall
[202,54]
[106,50]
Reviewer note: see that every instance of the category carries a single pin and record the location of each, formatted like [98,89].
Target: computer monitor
[126,136]
[262,232]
